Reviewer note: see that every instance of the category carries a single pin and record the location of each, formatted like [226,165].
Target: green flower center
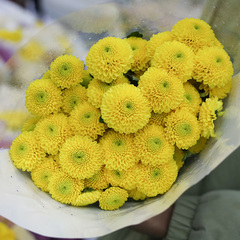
[154,144]
[188,97]
[65,188]
[22,148]
[88,117]
[128,107]
[41,97]
[73,102]
[179,55]
[218,60]
[155,174]
[164,86]
[51,130]
[65,69]
[117,173]
[79,157]
[45,176]
[197,27]
[119,145]
[183,129]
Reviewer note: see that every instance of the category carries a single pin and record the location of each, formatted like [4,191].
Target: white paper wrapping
[32,209]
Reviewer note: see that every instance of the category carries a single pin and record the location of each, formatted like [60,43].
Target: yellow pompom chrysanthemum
[140,57]
[32,51]
[156,180]
[80,157]
[73,96]
[98,181]
[97,88]
[212,67]
[176,58]
[136,195]
[195,33]
[221,92]
[207,114]
[182,128]
[125,109]
[64,188]
[178,157]
[30,124]
[156,40]
[198,147]
[191,99]
[113,198]
[87,78]
[152,146]
[84,120]
[124,178]
[6,233]
[43,97]
[87,198]
[163,91]
[109,58]
[52,132]
[66,71]
[118,150]
[42,173]
[25,152]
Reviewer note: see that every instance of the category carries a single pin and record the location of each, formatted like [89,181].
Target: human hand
[157,226]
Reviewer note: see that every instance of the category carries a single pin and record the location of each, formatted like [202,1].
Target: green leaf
[135,34]
[101,120]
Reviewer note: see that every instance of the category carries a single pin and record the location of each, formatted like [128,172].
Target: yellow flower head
[109,58]
[221,92]
[152,146]
[140,57]
[213,67]
[14,119]
[113,198]
[42,173]
[6,233]
[87,78]
[156,180]
[178,157]
[163,91]
[156,40]
[84,120]
[136,195]
[98,181]
[66,71]
[72,97]
[25,151]
[124,178]
[198,147]
[182,128]
[47,75]
[30,124]
[157,118]
[32,51]
[97,88]
[87,198]
[52,131]
[118,150]
[176,58]
[13,36]
[207,114]
[195,33]
[191,99]
[43,97]
[80,157]
[64,188]
[125,109]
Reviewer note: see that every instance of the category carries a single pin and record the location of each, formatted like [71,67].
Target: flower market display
[121,126]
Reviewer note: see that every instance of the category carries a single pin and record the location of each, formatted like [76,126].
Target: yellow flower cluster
[123,127]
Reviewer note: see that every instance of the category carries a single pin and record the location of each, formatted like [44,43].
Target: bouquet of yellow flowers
[121,128]
[118,127]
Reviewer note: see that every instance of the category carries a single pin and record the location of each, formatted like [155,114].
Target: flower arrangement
[123,128]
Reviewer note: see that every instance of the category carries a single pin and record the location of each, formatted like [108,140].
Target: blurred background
[21,20]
